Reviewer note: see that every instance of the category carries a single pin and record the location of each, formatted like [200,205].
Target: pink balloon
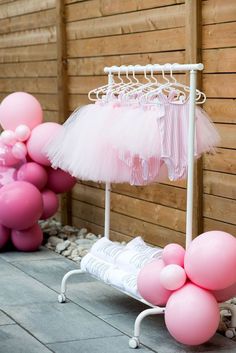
[22,132]
[8,137]
[173,277]
[225,294]
[50,204]
[21,205]
[60,181]
[210,260]
[192,315]
[20,108]
[149,285]
[34,173]
[27,240]
[4,236]
[19,150]
[40,136]
[6,156]
[173,254]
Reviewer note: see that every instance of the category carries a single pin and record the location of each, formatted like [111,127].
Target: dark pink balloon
[21,205]
[50,204]
[4,236]
[34,173]
[60,181]
[27,240]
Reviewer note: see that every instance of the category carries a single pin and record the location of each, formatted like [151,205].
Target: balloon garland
[28,184]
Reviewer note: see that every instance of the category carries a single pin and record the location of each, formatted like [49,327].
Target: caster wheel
[230,333]
[134,342]
[61,298]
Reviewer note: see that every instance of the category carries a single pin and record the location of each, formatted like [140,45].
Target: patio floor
[96,319]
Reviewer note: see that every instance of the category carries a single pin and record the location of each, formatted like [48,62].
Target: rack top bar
[151,68]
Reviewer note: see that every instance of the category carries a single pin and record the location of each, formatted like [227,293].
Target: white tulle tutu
[122,142]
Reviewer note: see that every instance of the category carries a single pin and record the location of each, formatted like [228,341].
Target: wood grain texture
[212,224]
[31,85]
[227,133]
[28,53]
[29,69]
[219,60]
[220,184]
[219,208]
[219,86]
[221,110]
[22,7]
[217,11]
[223,161]
[221,35]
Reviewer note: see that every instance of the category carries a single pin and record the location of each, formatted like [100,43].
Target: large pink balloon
[192,315]
[21,205]
[4,236]
[225,294]
[50,204]
[27,240]
[20,108]
[149,285]
[210,260]
[40,136]
[34,173]
[60,181]
[6,156]
[173,254]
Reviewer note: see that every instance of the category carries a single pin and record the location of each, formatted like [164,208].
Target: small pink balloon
[21,205]
[19,150]
[149,285]
[4,236]
[34,173]
[173,277]
[60,181]
[27,240]
[40,136]
[20,108]
[8,137]
[192,315]
[225,294]
[6,156]
[50,204]
[210,260]
[173,254]
[22,133]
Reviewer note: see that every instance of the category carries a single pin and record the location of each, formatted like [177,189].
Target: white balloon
[22,132]
[8,137]
[173,277]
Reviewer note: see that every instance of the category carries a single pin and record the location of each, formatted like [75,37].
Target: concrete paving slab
[117,344]
[54,322]
[5,320]
[16,340]
[41,254]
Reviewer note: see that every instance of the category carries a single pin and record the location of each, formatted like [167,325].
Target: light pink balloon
[210,260]
[20,108]
[22,133]
[4,236]
[149,285]
[27,240]
[173,254]
[6,156]
[19,150]
[21,205]
[50,204]
[192,315]
[8,137]
[40,136]
[34,173]
[172,277]
[60,181]
[225,294]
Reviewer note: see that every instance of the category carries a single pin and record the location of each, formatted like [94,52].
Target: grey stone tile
[155,335]
[4,319]
[41,254]
[54,322]
[51,271]
[118,344]
[16,340]
[102,299]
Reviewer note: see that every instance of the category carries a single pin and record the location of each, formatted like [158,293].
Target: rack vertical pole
[108,187]
[191,143]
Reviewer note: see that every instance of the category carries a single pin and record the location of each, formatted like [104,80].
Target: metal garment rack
[192,69]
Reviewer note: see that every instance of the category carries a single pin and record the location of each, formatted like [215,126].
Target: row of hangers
[129,87]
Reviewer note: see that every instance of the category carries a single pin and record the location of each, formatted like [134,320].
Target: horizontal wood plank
[221,110]
[29,53]
[219,60]
[155,41]
[219,208]
[50,116]
[30,85]
[29,69]
[219,86]
[228,135]
[217,11]
[220,35]
[211,224]
[223,161]
[219,184]
[22,7]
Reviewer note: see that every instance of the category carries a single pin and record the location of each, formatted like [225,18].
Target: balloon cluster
[190,283]
[28,184]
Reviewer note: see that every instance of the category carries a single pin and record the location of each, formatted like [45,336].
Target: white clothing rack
[192,68]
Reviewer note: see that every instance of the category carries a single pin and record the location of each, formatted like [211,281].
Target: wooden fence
[57,49]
